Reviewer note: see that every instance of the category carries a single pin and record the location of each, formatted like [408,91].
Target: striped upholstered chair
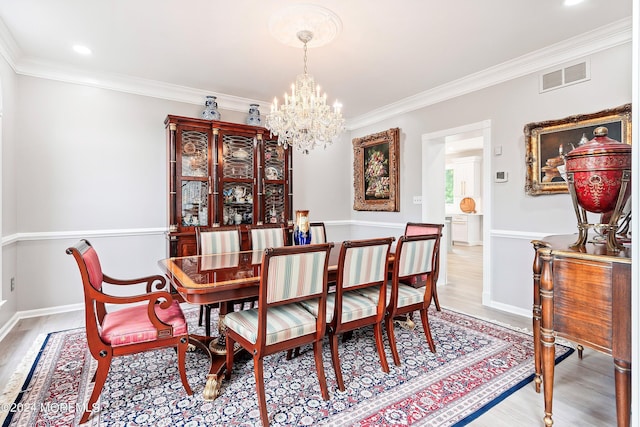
[215,240]
[267,236]
[416,229]
[318,232]
[414,256]
[158,323]
[289,275]
[362,266]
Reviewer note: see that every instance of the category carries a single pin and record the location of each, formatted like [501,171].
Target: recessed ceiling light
[82,50]
[572,2]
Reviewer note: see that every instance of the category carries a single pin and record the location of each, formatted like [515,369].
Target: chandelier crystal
[304,120]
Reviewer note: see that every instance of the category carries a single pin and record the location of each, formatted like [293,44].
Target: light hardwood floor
[583,392]
[583,389]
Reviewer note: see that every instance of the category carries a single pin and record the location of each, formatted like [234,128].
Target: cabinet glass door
[195,203]
[238,160]
[275,192]
[194,173]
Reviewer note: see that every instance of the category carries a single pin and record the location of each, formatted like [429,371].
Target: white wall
[516,217]
[92,162]
[9,213]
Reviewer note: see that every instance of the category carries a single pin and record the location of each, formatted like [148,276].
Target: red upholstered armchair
[157,323]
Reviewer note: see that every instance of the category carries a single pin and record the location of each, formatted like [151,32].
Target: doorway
[434,208]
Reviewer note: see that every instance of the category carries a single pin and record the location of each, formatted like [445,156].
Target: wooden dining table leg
[216,367]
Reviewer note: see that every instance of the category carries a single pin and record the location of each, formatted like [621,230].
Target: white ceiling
[387,52]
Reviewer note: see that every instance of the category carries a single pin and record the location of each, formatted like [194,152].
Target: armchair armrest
[158,299]
[149,280]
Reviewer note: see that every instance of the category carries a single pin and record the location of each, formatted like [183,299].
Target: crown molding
[132,85]
[593,41]
[8,47]
[599,39]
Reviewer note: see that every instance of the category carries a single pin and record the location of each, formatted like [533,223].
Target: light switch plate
[417,200]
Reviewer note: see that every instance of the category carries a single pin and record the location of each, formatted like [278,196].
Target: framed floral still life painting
[548,142]
[375,171]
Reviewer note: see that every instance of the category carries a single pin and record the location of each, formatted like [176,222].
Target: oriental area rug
[477,364]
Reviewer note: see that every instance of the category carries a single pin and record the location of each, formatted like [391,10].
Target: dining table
[222,278]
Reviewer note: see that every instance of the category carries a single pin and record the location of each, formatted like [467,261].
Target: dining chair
[318,235]
[318,232]
[414,256]
[215,240]
[362,265]
[415,229]
[289,276]
[133,328]
[267,236]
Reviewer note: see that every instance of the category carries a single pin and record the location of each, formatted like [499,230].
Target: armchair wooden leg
[377,332]
[333,344]
[388,321]
[427,330]
[317,352]
[258,368]
[182,356]
[435,297]
[100,377]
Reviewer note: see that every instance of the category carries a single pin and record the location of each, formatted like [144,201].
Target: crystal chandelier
[304,120]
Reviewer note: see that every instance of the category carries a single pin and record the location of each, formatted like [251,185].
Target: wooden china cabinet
[223,173]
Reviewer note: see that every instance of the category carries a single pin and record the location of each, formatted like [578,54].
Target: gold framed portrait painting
[547,142]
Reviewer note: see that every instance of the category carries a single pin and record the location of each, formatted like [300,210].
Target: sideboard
[583,295]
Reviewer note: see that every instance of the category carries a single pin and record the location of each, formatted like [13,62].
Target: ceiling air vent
[568,75]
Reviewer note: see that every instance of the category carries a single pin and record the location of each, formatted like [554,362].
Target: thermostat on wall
[502,176]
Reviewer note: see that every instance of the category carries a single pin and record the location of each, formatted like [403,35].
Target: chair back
[294,273]
[318,232]
[416,255]
[267,236]
[215,240]
[92,279]
[363,262]
[422,228]
[418,228]
[362,266]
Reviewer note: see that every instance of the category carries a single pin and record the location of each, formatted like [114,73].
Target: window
[448,186]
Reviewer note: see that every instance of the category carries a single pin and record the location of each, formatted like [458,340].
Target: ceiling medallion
[285,24]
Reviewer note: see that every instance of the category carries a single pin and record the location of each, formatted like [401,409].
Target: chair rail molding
[59,235]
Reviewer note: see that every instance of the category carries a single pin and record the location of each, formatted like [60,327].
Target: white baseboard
[4,331]
[518,311]
[26,314]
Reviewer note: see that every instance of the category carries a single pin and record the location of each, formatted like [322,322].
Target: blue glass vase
[301,230]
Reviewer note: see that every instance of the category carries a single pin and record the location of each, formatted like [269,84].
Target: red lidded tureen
[597,168]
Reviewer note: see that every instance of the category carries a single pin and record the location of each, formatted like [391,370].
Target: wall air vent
[567,75]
